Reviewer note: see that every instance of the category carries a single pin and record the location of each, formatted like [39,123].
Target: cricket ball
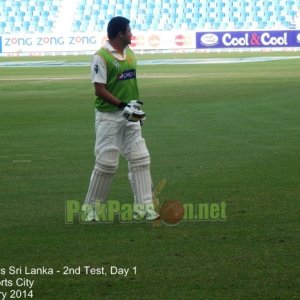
[171,212]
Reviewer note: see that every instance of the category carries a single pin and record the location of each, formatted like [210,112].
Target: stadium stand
[27,16]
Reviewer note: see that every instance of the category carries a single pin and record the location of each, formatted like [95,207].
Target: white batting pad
[102,176]
[139,173]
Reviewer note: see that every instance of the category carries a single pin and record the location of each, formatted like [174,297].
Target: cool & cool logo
[255,40]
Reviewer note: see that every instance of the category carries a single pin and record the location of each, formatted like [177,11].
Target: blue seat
[45,14]
[100,24]
[191,14]
[216,25]
[292,13]
[26,24]
[48,26]
[40,29]
[262,25]
[31,9]
[54,9]
[2,27]
[7,10]
[76,25]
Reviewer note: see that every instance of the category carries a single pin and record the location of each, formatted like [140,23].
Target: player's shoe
[148,214]
[151,215]
[138,214]
[88,214]
[91,217]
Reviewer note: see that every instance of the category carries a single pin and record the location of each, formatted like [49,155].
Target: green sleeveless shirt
[121,79]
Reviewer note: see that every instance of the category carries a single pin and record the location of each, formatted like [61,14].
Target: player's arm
[99,79]
[103,93]
[131,111]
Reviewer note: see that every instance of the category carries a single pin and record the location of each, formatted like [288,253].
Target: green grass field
[216,132]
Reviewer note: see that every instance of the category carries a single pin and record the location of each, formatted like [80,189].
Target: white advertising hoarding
[42,44]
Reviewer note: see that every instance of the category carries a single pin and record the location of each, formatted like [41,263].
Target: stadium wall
[160,41]
[40,27]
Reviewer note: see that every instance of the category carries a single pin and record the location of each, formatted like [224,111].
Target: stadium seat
[151,14]
[2,27]
[21,16]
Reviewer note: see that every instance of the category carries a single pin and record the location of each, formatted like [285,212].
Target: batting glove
[131,111]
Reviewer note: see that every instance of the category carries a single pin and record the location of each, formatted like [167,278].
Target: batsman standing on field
[118,123]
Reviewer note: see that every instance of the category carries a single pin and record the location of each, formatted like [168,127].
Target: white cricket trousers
[114,136]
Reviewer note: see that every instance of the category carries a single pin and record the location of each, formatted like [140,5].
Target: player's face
[127,36]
